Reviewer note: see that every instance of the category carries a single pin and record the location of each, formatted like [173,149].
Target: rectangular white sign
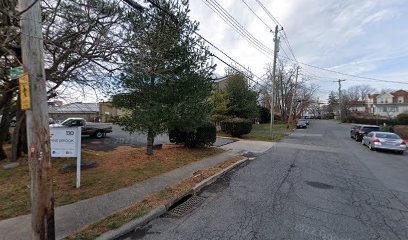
[64,142]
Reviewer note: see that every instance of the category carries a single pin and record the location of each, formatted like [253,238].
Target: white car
[384,140]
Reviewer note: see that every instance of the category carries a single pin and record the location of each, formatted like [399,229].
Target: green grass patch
[164,194]
[261,132]
[114,221]
[276,127]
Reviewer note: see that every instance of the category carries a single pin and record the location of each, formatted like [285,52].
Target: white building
[388,104]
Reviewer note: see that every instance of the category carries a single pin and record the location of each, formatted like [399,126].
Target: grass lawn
[119,168]
[276,127]
[260,132]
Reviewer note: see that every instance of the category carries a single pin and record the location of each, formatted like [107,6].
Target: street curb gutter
[213,178]
[128,227]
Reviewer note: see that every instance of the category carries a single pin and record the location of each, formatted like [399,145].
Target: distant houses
[92,112]
[88,111]
[388,104]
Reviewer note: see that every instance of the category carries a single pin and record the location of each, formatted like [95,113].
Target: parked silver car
[384,140]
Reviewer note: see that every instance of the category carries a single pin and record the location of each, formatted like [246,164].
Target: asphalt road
[316,184]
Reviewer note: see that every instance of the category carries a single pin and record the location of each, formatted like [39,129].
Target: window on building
[400,99]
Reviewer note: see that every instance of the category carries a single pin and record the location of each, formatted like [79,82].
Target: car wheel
[370,146]
[401,152]
[99,134]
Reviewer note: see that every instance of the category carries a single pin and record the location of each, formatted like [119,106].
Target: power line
[227,18]
[225,12]
[236,62]
[269,13]
[345,74]
[285,37]
[246,4]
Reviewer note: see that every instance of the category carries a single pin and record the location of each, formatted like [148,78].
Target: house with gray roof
[88,111]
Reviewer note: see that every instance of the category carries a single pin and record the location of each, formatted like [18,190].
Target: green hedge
[401,119]
[202,137]
[236,126]
[370,121]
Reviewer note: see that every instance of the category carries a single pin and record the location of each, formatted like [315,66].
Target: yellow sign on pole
[24,85]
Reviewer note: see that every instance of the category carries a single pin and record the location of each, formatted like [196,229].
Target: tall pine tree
[167,81]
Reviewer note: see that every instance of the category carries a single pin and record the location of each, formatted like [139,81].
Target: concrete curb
[130,226]
[231,138]
[214,177]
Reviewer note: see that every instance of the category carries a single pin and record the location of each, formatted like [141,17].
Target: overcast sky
[363,37]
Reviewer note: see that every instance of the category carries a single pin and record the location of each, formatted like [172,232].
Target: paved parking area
[118,137]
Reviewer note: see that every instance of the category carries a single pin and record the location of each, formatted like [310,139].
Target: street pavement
[315,184]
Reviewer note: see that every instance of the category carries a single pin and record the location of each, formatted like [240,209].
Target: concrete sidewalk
[248,146]
[73,217]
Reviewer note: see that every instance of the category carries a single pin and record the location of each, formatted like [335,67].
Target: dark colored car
[301,124]
[305,120]
[358,132]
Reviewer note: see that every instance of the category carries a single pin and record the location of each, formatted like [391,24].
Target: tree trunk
[150,141]
[5,122]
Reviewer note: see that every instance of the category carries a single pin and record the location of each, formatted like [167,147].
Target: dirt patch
[119,168]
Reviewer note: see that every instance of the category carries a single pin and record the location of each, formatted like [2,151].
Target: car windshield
[67,122]
[387,135]
[370,129]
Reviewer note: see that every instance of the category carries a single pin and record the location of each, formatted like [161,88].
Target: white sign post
[66,143]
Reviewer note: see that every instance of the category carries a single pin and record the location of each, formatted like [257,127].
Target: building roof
[77,107]
[400,93]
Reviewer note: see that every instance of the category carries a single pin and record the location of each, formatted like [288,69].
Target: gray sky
[363,37]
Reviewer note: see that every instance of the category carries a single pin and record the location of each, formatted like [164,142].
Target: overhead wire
[249,76]
[267,52]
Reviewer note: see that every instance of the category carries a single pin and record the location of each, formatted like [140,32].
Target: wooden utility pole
[291,117]
[340,99]
[38,133]
[275,57]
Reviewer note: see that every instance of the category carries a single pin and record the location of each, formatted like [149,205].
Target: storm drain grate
[186,206]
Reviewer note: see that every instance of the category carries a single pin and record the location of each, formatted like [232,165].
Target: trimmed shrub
[387,128]
[236,126]
[369,121]
[264,115]
[203,136]
[402,119]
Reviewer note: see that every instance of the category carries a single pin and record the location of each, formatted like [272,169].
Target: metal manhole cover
[319,185]
[186,206]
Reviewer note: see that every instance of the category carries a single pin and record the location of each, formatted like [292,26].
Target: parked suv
[358,132]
